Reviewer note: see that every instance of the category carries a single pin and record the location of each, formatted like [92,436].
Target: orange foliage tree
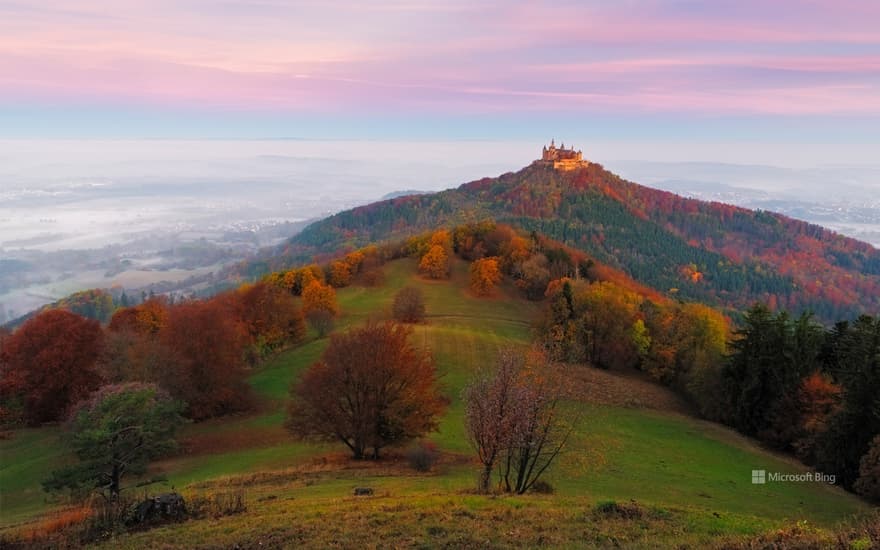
[147,318]
[435,263]
[269,315]
[485,274]
[50,363]
[340,274]
[370,390]
[319,296]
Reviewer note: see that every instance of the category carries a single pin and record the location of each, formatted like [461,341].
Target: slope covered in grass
[695,475]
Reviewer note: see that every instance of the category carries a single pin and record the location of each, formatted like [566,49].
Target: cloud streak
[791,58]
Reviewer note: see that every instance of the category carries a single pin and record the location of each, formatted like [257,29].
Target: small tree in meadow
[409,305]
[322,321]
[116,433]
[515,422]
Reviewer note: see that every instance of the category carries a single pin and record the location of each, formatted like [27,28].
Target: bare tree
[515,420]
[541,429]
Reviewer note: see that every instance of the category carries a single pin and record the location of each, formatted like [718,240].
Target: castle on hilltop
[561,158]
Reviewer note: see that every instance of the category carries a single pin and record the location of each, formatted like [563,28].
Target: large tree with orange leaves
[318,296]
[50,364]
[370,390]
[435,263]
[485,274]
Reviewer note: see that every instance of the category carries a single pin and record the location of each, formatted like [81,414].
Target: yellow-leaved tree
[435,263]
[485,274]
[318,296]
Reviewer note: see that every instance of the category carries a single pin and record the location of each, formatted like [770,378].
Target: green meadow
[692,477]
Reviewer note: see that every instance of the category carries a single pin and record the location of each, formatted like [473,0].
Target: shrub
[868,484]
[542,487]
[423,457]
[373,277]
[613,509]
[322,321]
[409,305]
[63,520]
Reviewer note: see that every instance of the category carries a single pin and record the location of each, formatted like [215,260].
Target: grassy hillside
[692,479]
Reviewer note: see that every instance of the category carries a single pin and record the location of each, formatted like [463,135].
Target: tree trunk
[114,482]
[485,478]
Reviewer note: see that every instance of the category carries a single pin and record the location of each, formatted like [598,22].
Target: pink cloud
[455,56]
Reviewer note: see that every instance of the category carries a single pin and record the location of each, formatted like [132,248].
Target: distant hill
[396,194]
[687,248]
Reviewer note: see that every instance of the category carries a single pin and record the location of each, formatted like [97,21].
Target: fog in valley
[131,214]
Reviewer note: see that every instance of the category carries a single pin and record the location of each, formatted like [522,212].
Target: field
[691,479]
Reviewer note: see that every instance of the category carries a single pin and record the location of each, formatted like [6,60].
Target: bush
[322,321]
[409,305]
[423,457]
[868,484]
[613,509]
[542,488]
[373,277]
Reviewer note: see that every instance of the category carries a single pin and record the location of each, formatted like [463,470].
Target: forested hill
[696,250]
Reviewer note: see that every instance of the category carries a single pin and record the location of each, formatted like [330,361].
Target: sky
[781,73]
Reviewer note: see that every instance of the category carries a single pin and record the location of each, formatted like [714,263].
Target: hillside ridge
[686,248]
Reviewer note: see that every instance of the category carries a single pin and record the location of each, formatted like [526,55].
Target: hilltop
[686,248]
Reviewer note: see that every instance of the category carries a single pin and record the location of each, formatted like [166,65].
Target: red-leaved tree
[370,390]
[206,368]
[50,363]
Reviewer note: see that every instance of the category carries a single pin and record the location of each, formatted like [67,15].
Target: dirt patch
[232,440]
[332,465]
[621,388]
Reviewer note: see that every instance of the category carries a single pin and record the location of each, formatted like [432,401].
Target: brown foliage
[206,371]
[269,315]
[50,363]
[372,277]
[129,356]
[371,389]
[322,321]
[409,305]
